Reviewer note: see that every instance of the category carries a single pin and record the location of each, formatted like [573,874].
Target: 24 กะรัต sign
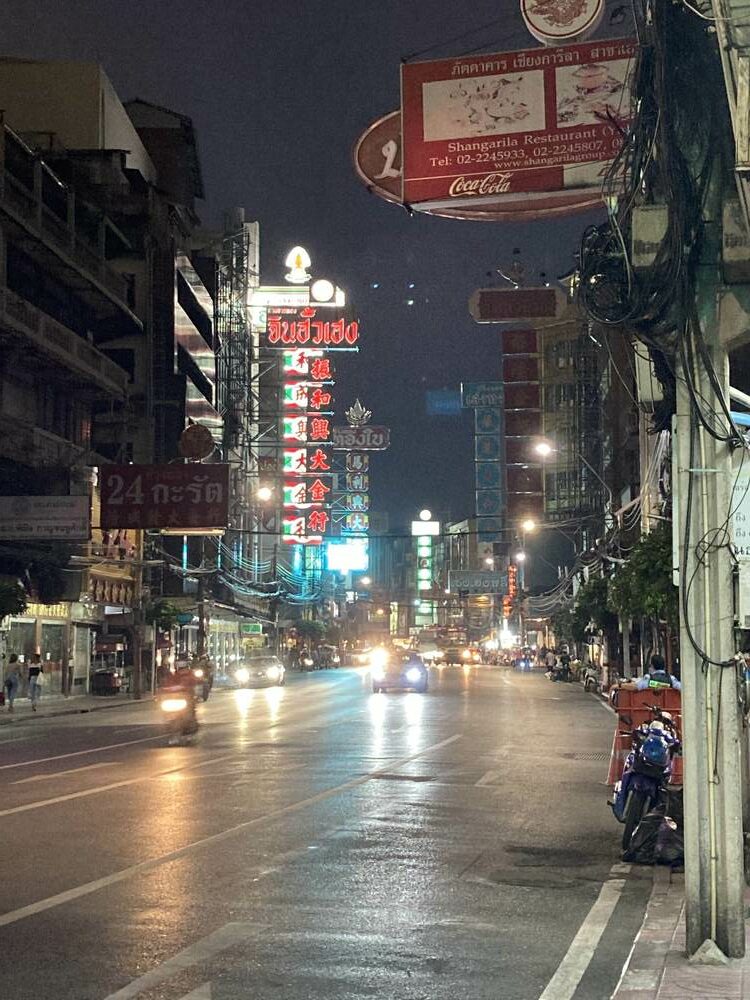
[192,496]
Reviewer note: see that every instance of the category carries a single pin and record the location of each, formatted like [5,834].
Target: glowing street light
[264,493]
[543,448]
[489,561]
[528,525]
[365,581]
[520,557]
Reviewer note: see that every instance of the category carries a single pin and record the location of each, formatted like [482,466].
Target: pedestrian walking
[12,680]
[36,680]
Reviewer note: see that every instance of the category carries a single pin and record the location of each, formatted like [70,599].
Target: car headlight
[272,673]
[378,673]
[414,674]
[378,658]
[466,654]
[242,675]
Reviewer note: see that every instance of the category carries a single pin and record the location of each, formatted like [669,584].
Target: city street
[319,842]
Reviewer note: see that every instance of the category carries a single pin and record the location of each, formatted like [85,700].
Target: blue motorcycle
[647,771]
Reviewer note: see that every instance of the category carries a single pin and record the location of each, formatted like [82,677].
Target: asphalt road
[319,842]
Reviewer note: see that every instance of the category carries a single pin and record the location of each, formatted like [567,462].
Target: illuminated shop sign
[295,326]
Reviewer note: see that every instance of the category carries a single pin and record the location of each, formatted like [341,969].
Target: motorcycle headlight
[414,674]
[466,654]
[242,675]
[379,658]
[174,705]
[198,673]
[272,673]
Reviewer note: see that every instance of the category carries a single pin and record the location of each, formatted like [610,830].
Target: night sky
[278,93]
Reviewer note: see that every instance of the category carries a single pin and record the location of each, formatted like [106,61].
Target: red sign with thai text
[194,496]
[487,127]
[299,326]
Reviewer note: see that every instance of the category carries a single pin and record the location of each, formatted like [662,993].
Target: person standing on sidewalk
[36,679]
[12,680]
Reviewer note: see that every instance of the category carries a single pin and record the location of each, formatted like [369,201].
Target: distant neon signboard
[307,325]
[302,461]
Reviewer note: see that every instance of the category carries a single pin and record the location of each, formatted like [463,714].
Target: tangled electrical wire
[674,146]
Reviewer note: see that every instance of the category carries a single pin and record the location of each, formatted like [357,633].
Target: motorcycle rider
[184,681]
[657,676]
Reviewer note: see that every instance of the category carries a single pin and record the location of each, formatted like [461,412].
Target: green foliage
[310,631]
[42,565]
[643,587]
[333,635]
[12,600]
[592,604]
[163,615]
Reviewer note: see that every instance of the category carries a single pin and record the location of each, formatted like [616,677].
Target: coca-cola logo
[497,183]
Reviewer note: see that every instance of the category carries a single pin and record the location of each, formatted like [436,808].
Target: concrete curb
[65,708]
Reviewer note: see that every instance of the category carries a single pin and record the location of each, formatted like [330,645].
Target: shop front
[62,636]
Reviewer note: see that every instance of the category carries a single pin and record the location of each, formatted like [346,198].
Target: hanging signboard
[513,125]
[367,438]
[475,394]
[561,20]
[469,581]
[193,497]
[48,518]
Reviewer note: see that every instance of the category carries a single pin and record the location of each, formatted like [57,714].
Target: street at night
[318,841]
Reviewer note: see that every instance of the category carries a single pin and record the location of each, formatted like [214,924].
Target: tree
[592,604]
[163,615]
[643,587]
[310,631]
[12,600]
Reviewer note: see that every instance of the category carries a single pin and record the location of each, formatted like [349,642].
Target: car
[260,671]
[398,670]
[455,655]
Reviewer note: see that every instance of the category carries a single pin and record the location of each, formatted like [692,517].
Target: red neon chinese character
[317,521]
[320,429]
[320,369]
[319,461]
[319,399]
[318,491]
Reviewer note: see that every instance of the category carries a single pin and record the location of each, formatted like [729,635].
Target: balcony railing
[57,341]
[37,215]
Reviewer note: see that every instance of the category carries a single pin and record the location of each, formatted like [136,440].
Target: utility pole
[138,617]
[711,712]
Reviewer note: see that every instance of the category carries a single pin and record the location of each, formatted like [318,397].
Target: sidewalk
[658,969]
[51,705]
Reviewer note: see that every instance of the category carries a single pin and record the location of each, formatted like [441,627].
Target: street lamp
[264,493]
[520,557]
[365,581]
[528,525]
[544,449]
[489,561]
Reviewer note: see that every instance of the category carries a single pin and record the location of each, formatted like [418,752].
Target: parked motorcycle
[647,771]
[590,678]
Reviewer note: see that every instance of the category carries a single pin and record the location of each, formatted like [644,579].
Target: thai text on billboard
[533,121]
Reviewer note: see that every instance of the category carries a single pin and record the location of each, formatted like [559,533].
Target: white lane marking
[578,957]
[487,778]
[60,774]
[201,993]
[84,793]
[79,753]
[145,866]
[201,951]
[600,701]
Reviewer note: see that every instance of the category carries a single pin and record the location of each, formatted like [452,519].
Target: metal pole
[138,622]
[711,719]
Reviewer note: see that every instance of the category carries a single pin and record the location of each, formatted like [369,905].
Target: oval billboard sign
[377,161]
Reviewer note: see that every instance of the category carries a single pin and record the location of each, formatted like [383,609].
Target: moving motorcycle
[178,708]
[647,771]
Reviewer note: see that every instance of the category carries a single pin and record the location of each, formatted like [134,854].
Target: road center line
[487,778]
[42,803]
[201,951]
[60,774]
[79,753]
[145,866]
[578,957]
